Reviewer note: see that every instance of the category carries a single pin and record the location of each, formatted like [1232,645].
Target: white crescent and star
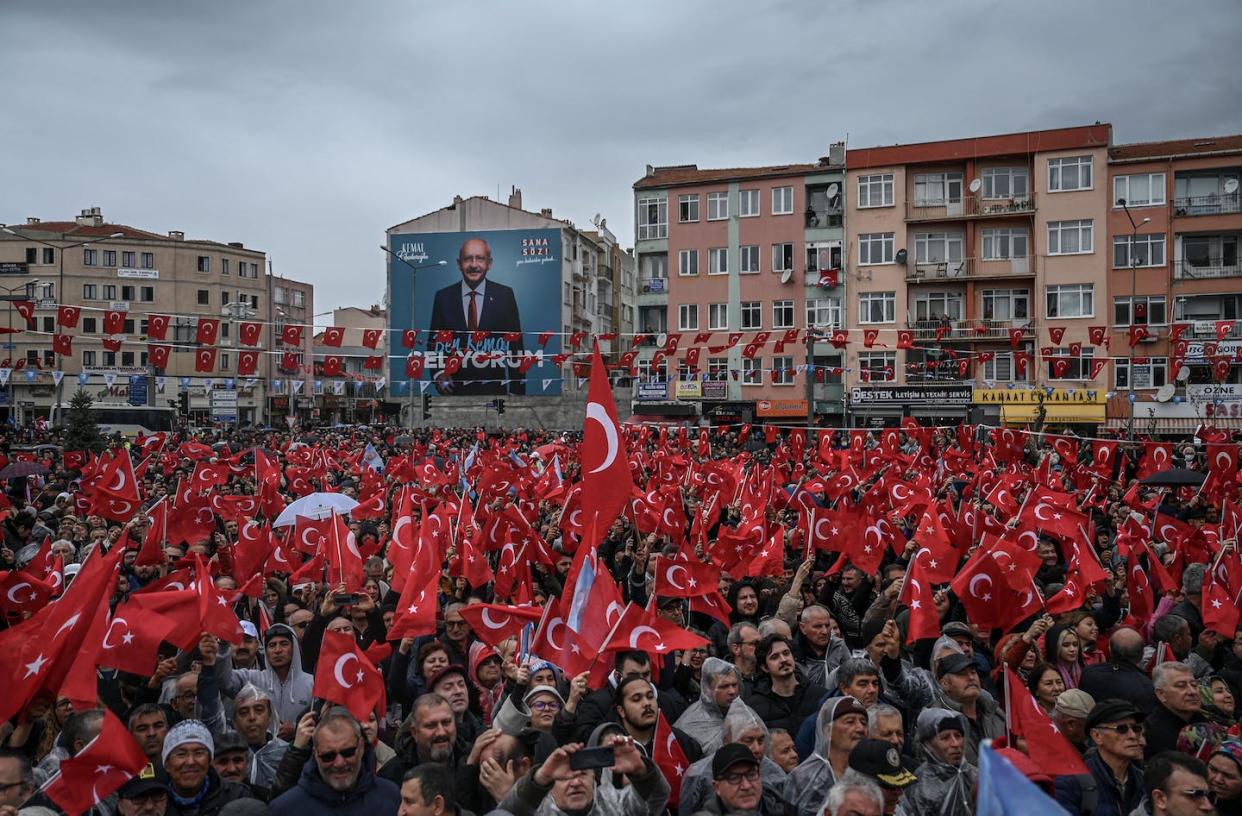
[671,571]
[597,413]
[339,668]
[974,586]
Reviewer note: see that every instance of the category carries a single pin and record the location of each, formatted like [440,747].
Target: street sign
[223,405]
[138,391]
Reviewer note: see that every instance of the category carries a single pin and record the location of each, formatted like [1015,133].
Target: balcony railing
[1206,330]
[1215,204]
[969,207]
[967,330]
[931,271]
[1213,268]
[824,218]
[653,286]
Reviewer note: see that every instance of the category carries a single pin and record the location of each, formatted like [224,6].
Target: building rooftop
[981,147]
[682,175]
[1203,146]
[73,231]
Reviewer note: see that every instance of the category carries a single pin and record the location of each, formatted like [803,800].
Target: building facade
[357,396]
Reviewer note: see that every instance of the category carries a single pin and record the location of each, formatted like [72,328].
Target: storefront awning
[1071,413]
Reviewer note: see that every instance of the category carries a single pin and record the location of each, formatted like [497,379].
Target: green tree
[82,432]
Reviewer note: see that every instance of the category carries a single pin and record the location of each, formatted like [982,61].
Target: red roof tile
[1177,147]
[688,174]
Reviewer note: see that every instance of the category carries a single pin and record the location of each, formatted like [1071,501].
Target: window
[878,365]
[1006,304]
[1141,250]
[752,371]
[938,247]
[1079,367]
[688,317]
[32,255]
[568,298]
[750,260]
[1149,310]
[88,358]
[109,359]
[718,368]
[688,208]
[89,292]
[718,316]
[782,257]
[937,189]
[127,259]
[49,324]
[204,297]
[204,263]
[652,218]
[1068,174]
[224,330]
[224,266]
[782,314]
[877,307]
[1001,368]
[823,256]
[224,361]
[1200,251]
[823,313]
[109,291]
[127,358]
[299,299]
[752,315]
[109,257]
[875,190]
[748,203]
[685,372]
[875,248]
[148,260]
[1071,300]
[89,325]
[782,200]
[937,306]
[128,326]
[224,297]
[782,371]
[90,257]
[148,294]
[1139,190]
[688,262]
[1151,374]
[49,255]
[1071,237]
[127,293]
[717,206]
[718,261]
[1006,182]
[1005,243]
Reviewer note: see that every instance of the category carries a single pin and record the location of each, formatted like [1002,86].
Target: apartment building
[295,391]
[356,394]
[976,268]
[1174,222]
[98,266]
[732,263]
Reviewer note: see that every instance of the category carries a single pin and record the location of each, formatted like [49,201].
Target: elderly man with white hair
[704,720]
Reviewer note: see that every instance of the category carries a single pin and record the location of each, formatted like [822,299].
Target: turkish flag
[1220,613]
[1137,335]
[1220,368]
[291,335]
[869,336]
[669,758]
[249,333]
[289,362]
[25,308]
[916,593]
[247,363]
[371,337]
[1222,460]
[62,344]
[113,322]
[935,553]
[642,629]
[1138,590]
[414,365]
[157,354]
[22,592]
[606,478]
[376,363]
[1096,334]
[333,365]
[109,344]
[1097,366]
[1057,333]
[213,609]
[205,360]
[1223,328]
[1071,597]
[684,579]
[157,327]
[409,338]
[983,590]
[208,331]
[1045,744]
[132,640]
[494,623]
[416,610]
[92,775]
[905,339]
[67,316]
[714,605]
[346,676]
[333,336]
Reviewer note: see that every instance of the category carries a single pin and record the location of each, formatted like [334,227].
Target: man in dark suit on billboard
[478,304]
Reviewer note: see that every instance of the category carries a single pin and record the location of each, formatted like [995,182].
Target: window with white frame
[782,257]
[688,317]
[782,200]
[824,313]
[782,314]
[1071,300]
[1069,174]
[1139,190]
[718,261]
[1150,374]
[749,260]
[1079,367]
[875,190]
[718,368]
[1006,304]
[687,262]
[652,218]
[877,307]
[937,189]
[752,371]
[688,208]
[747,204]
[879,365]
[782,371]
[88,358]
[647,372]
[1142,310]
[1005,243]
[752,315]
[1140,250]
[937,306]
[875,248]
[1071,237]
[938,247]
[717,206]
[685,372]
[1006,183]
[718,316]
[1001,368]
[90,291]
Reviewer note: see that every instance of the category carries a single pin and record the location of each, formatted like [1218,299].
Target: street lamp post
[413,274]
[1134,228]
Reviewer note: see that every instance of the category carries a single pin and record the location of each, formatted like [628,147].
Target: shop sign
[913,395]
[1031,396]
[1214,392]
[715,390]
[651,391]
[780,408]
[689,389]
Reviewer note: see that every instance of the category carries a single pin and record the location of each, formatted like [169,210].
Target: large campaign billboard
[480,301]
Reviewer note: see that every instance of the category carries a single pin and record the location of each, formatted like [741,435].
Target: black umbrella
[15,469]
[1176,477]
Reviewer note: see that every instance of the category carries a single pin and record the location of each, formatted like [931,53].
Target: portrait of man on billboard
[477,303]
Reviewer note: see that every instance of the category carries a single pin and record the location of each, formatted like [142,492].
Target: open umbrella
[1176,477]
[315,506]
[15,469]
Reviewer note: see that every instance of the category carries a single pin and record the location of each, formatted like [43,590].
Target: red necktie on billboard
[473,323]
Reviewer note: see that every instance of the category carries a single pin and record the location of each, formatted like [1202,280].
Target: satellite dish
[835,188]
[1183,374]
[1231,186]
[786,276]
[1165,393]
[975,184]
[901,257]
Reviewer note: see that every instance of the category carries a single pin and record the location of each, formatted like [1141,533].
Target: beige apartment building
[100,266]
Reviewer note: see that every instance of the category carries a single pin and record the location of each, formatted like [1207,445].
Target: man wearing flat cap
[1116,728]
[1070,714]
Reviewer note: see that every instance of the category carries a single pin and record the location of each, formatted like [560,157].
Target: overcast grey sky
[306,128]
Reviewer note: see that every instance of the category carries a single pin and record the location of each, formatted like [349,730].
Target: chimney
[546,212]
[650,170]
[236,245]
[836,154]
[515,198]
[176,235]
[32,220]
[457,200]
[90,217]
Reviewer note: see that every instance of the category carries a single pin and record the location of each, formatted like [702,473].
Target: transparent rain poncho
[808,783]
[704,720]
[740,720]
[942,788]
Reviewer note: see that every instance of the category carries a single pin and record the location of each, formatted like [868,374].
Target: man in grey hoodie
[287,684]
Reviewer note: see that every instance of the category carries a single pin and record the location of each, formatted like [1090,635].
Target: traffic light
[500,406]
[426,407]
[184,398]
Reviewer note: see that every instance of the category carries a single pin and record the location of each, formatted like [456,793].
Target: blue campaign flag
[1004,791]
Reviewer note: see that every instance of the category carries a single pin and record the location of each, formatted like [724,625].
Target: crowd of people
[822,679]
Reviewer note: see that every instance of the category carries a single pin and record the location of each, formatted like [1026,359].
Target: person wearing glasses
[736,783]
[340,777]
[1177,785]
[1115,787]
[17,781]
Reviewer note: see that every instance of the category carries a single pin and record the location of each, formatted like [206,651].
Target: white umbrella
[315,506]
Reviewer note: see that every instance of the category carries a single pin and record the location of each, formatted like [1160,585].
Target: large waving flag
[606,479]
[1004,791]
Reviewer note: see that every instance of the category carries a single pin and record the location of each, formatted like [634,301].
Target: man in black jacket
[1178,704]
[781,697]
[1121,678]
[597,707]
[194,787]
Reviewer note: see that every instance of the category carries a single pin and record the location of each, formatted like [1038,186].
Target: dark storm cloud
[306,128]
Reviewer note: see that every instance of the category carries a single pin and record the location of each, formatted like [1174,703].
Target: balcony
[972,330]
[1206,330]
[1215,204]
[824,218]
[1211,268]
[1004,267]
[935,271]
[969,207]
